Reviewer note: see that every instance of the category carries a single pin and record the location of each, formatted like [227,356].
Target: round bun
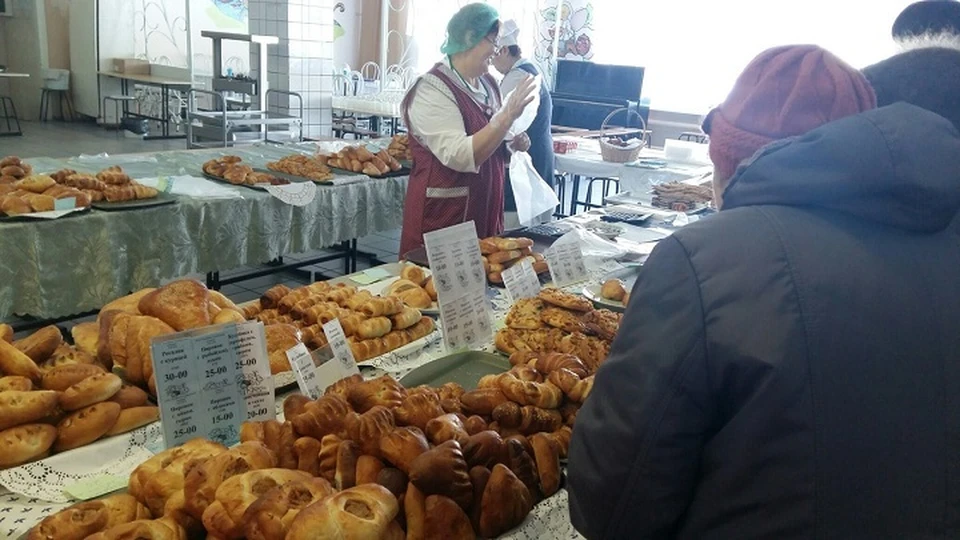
[613,289]
[414,273]
[415,298]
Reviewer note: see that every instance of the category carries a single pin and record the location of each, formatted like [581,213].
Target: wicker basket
[615,154]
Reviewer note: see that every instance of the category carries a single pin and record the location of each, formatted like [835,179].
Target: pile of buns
[37,193]
[616,290]
[55,397]
[110,185]
[399,147]
[558,321]
[230,169]
[502,253]
[304,166]
[12,168]
[374,325]
[415,288]
[360,160]
[369,459]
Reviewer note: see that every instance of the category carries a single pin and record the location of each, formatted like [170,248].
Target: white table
[5,100]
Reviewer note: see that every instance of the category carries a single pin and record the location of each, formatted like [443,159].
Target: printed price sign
[566,264]
[342,352]
[466,322]
[455,260]
[211,380]
[521,281]
[305,370]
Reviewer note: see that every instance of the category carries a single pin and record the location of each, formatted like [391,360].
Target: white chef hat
[509,33]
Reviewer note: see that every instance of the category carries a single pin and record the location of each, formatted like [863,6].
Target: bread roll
[399,286]
[361,513]
[413,273]
[16,383]
[381,306]
[76,522]
[14,362]
[402,445]
[444,519]
[505,504]
[272,514]
[228,316]
[546,453]
[36,184]
[345,476]
[431,289]
[140,331]
[24,407]
[442,470]
[406,318]
[86,425]
[613,289]
[415,298]
[65,355]
[133,418]
[62,377]
[374,327]
[293,405]
[368,468]
[418,409]
[164,528]
[200,483]
[224,517]
[181,304]
[280,339]
[126,304]
[40,345]
[130,396]
[99,387]
[25,443]
[509,244]
[6,333]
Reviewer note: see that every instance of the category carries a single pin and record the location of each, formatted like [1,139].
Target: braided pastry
[543,395]
[564,379]
[527,419]
[550,362]
[83,181]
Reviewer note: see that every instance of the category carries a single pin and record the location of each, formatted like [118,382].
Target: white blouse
[436,120]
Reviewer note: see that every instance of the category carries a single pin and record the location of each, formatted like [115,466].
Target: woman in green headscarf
[458,124]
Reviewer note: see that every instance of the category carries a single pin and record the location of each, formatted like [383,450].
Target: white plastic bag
[532,195]
[529,113]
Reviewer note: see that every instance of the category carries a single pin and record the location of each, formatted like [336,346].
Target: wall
[347,15]
[22,33]
[58,33]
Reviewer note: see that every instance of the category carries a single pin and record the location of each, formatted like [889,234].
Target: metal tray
[404,171]
[294,178]
[464,368]
[160,200]
[592,291]
[258,187]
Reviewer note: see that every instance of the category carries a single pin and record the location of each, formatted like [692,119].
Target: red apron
[438,196]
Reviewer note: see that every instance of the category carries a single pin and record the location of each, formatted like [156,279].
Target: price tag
[305,370]
[455,260]
[566,264]
[67,203]
[466,322]
[211,380]
[521,281]
[342,352]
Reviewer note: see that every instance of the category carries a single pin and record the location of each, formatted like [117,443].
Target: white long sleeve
[436,121]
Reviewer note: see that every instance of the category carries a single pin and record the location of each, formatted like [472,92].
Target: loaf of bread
[361,512]
[25,443]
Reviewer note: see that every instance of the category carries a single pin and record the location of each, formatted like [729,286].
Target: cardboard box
[131,65]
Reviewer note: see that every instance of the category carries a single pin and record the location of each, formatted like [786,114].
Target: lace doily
[549,519]
[45,480]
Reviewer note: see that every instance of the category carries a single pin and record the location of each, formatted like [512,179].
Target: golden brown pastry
[527,419]
[381,306]
[479,476]
[271,298]
[543,395]
[307,450]
[94,389]
[581,390]
[486,449]
[144,529]
[375,327]
[364,512]
[342,386]
[86,425]
[15,362]
[546,453]
[329,450]
[565,300]
[448,427]
[550,362]
[6,333]
[130,396]
[562,438]
[399,286]
[482,401]
[25,443]
[62,377]
[613,289]
[181,304]
[40,345]
[525,314]
[384,391]
[15,383]
[431,289]
[413,273]
[345,476]
[224,516]
[370,427]
[200,483]
[64,355]
[406,318]
[293,405]
[415,298]
[36,184]
[114,176]
[327,415]
[444,519]
[280,438]
[505,504]
[134,418]
[475,424]
[76,522]
[140,330]
[565,320]
[280,339]
[520,461]
[442,470]
[24,407]
[402,445]
[147,470]
[418,409]
[270,517]
[415,512]
[368,469]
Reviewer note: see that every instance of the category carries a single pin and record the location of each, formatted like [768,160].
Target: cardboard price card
[521,281]
[466,322]
[455,261]
[566,264]
[209,381]
[305,370]
[342,352]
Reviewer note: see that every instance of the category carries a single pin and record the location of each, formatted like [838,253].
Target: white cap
[509,33]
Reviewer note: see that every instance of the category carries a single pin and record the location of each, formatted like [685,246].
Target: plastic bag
[529,113]
[532,195]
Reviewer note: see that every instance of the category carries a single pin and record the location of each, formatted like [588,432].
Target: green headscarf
[468,27]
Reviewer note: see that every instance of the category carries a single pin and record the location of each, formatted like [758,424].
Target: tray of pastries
[368,459]
[374,325]
[399,148]
[613,292]
[39,196]
[502,253]
[359,159]
[302,167]
[682,197]
[411,283]
[113,189]
[232,170]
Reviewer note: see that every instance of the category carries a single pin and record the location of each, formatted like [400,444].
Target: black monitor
[602,82]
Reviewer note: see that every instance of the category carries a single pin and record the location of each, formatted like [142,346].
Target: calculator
[626,217]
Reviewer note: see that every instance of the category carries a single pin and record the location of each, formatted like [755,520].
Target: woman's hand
[520,143]
[521,97]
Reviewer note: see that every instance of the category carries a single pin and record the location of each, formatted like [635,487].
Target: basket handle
[644,135]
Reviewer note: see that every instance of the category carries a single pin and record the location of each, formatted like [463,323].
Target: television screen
[602,81]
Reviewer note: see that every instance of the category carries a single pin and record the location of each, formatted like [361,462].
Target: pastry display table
[80,262]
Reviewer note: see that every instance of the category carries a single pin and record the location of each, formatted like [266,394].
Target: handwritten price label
[303,367]
[566,264]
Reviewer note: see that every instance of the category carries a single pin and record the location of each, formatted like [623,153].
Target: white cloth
[509,33]
[436,120]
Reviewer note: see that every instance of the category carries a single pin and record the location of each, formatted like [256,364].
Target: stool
[118,102]
[62,96]
[9,114]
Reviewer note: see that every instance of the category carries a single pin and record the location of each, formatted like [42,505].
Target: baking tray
[464,368]
[160,200]
[592,291]
[258,187]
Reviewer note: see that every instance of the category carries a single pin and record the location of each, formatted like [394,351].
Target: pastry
[25,443]
[294,405]
[134,418]
[479,476]
[603,323]
[482,401]
[270,517]
[448,427]
[565,320]
[415,298]
[322,417]
[307,450]
[550,362]
[505,504]
[546,453]
[39,202]
[129,193]
[418,409]
[146,471]
[613,289]
[384,391]
[504,257]
[444,519]
[543,395]
[368,468]
[406,318]
[15,383]
[24,407]
[342,386]
[475,424]
[12,205]
[143,529]
[181,304]
[394,480]
[431,289]
[345,476]
[381,306]
[62,377]
[520,461]
[15,362]
[485,449]
[130,396]
[442,470]
[41,344]
[86,425]
[370,427]
[200,483]
[509,244]
[402,445]
[223,518]
[280,339]
[76,522]
[329,450]
[271,298]
[6,333]
[413,273]
[36,184]
[527,419]
[375,327]
[565,300]
[364,512]
[66,355]
[136,346]
[592,351]
[99,387]
[525,314]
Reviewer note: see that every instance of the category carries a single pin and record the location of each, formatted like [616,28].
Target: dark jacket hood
[897,165]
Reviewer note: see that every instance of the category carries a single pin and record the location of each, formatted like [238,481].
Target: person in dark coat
[926,77]
[790,367]
[927,23]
